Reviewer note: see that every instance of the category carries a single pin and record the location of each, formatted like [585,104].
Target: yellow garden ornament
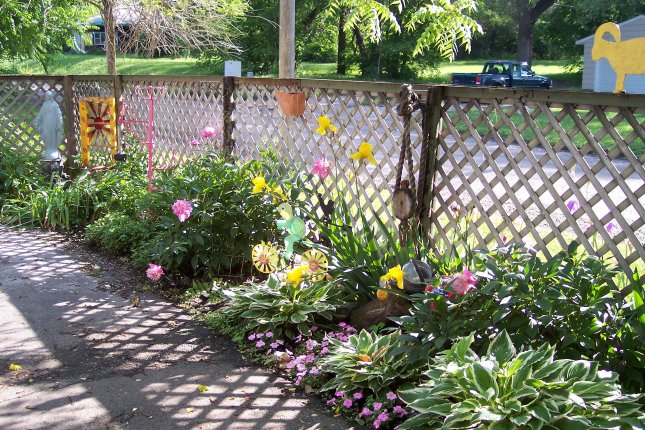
[317,262]
[265,257]
[97,125]
[624,56]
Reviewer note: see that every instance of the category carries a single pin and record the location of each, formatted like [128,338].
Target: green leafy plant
[504,389]
[282,307]
[370,361]
[117,232]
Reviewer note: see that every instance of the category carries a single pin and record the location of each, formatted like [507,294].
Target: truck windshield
[496,68]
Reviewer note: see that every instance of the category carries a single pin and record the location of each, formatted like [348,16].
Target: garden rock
[378,311]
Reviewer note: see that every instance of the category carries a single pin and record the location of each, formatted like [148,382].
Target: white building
[598,75]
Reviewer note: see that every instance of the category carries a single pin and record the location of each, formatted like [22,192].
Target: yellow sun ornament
[324,125]
[317,262]
[264,257]
[297,275]
[259,184]
[364,153]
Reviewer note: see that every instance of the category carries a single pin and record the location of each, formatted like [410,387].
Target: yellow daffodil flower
[278,191]
[296,275]
[396,274]
[364,153]
[259,184]
[324,125]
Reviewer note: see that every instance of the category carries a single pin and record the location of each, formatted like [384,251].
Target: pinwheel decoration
[265,257]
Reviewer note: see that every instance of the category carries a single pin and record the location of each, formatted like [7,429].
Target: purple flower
[259,335]
[609,226]
[342,324]
[251,336]
[365,413]
[324,351]
[311,344]
[399,410]
[377,424]
[340,393]
[383,416]
[377,406]
[259,344]
[331,402]
[313,328]
[348,403]
[573,205]
[269,334]
[391,396]
[274,345]
[358,396]
[314,371]
[310,358]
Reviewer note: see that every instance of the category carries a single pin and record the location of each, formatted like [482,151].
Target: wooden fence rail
[521,159]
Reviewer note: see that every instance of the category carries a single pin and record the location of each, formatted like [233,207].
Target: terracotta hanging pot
[291,104]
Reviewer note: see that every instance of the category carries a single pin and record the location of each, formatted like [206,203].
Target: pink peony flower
[182,209]
[154,272]
[321,168]
[208,132]
[464,282]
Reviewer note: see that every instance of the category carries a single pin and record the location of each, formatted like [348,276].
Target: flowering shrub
[504,389]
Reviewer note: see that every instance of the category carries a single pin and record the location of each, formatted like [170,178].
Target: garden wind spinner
[98,126]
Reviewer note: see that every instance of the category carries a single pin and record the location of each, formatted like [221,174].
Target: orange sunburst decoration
[98,125]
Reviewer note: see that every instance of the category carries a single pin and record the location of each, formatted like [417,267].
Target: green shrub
[508,390]
[283,308]
[19,173]
[379,363]
[117,233]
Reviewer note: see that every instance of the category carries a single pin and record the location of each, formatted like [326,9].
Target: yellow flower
[317,263]
[364,153]
[264,257]
[325,124]
[278,190]
[259,184]
[14,367]
[381,295]
[296,275]
[396,274]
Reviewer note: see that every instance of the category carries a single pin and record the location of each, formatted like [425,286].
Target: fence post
[429,148]
[70,134]
[228,106]
[118,90]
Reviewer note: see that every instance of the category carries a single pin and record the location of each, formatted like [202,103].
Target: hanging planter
[291,104]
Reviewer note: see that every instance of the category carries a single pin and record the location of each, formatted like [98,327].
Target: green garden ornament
[295,226]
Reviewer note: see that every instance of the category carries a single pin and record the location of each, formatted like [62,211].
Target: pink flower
[573,205]
[274,345]
[331,402]
[391,396]
[259,344]
[208,132]
[377,406]
[377,424]
[358,396]
[383,416]
[340,393]
[321,168]
[399,410]
[182,209]
[348,403]
[464,282]
[251,336]
[269,334]
[365,412]
[154,272]
[195,142]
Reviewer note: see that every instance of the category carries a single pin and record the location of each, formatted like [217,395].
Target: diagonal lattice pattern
[522,164]
[20,101]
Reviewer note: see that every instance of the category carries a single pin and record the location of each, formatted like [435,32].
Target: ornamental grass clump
[504,389]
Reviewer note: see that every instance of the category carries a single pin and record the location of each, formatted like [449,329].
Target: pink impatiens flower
[348,403]
[321,168]
[208,132]
[182,209]
[154,272]
[464,282]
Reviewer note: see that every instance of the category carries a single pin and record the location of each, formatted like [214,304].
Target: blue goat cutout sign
[626,57]
[295,227]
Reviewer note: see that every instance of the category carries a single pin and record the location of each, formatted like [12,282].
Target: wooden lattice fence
[521,159]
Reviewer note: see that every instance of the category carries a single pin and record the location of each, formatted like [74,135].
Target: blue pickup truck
[503,73]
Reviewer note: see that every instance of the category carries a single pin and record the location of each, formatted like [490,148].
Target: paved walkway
[91,360]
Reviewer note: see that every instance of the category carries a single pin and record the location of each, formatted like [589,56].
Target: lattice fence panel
[360,115]
[183,109]
[524,165]
[20,100]
[91,86]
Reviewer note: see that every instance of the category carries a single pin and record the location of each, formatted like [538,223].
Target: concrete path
[90,360]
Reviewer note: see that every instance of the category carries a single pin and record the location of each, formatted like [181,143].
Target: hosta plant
[504,389]
[282,307]
[379,363]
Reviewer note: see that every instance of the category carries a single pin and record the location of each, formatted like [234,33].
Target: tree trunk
[526,26]
[362,49]
[110,35]
[341,66]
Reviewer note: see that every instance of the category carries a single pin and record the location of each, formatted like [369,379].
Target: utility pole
[287,64]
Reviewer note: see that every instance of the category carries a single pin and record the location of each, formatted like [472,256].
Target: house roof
[123,15]
[629,21]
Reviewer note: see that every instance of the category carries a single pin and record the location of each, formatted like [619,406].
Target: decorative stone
[378,311]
